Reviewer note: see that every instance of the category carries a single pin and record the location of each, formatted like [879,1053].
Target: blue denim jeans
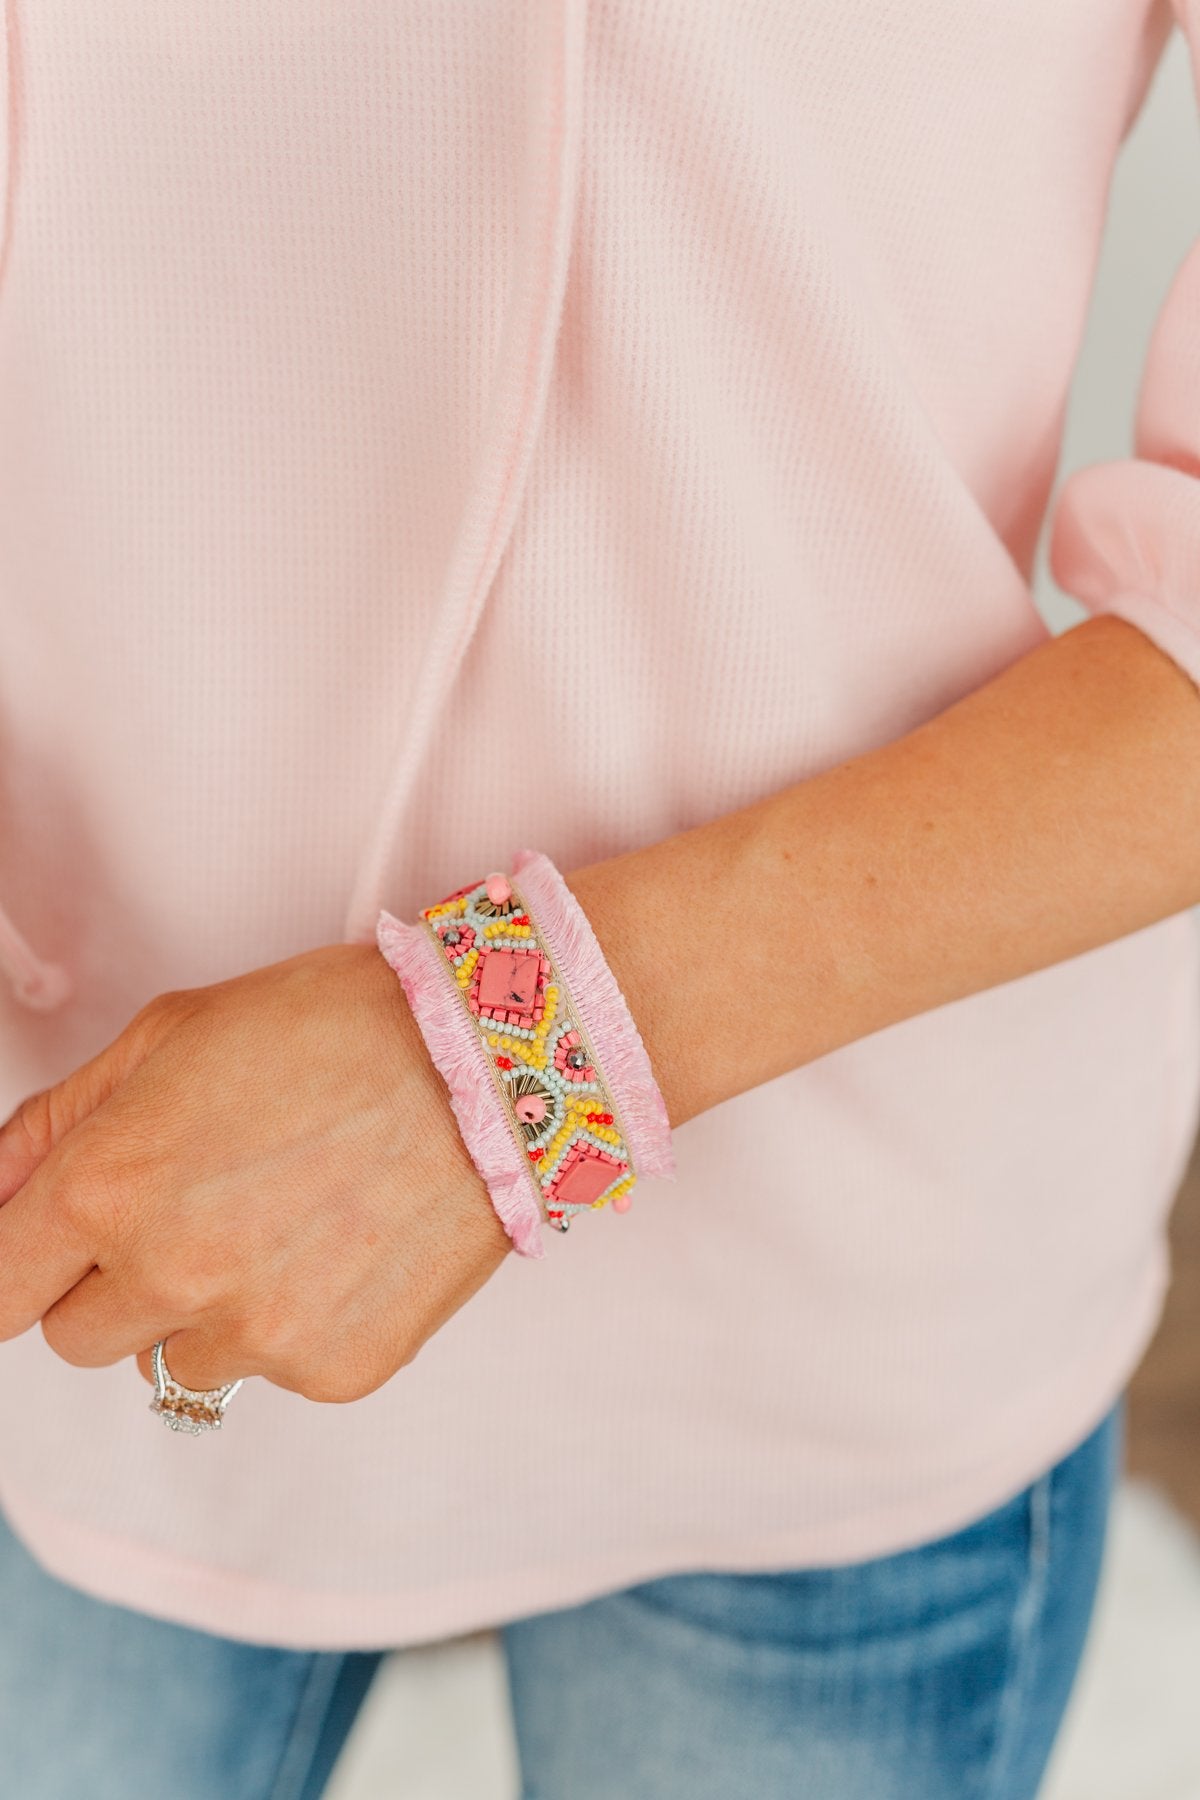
[940,1673]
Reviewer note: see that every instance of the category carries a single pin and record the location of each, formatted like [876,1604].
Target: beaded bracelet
[550,1083]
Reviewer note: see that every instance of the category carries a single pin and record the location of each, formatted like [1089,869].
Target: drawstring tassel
[37,984]
[510,437]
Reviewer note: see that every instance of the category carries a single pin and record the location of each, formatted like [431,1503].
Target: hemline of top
[243,1607]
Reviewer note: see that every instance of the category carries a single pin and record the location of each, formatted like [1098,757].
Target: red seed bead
[504,1062]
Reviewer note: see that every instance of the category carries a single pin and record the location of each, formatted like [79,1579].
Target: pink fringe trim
[605,1017]
[460,1059]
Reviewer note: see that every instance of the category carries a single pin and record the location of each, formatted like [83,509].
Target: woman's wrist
[547,1074]
[672,921]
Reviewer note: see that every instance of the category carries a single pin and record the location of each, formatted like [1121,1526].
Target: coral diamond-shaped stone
[508,981]
[586,1178]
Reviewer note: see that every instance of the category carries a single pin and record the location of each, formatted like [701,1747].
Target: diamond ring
[187,1409]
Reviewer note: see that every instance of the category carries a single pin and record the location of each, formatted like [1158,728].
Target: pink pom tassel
[460,1059]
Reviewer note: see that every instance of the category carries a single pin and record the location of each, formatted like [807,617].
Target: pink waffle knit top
[427,430]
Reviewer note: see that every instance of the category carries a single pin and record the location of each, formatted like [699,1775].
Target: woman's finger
[47,1244]
[200,1357]
[29,1098]
[101,1321]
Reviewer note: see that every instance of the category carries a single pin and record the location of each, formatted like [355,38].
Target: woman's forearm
[1054,809]
[1050,811]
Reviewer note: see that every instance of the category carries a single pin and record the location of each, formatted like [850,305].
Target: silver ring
[187,1409]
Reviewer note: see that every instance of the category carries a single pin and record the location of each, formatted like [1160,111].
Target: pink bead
[622,1203]
[531,1108]
[499,889]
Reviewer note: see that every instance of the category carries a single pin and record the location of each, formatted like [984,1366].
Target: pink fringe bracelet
[548,1076]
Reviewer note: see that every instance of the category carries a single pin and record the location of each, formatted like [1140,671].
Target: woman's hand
[266,1172]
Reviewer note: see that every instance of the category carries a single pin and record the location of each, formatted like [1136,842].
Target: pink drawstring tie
[518,403]
[36,983]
